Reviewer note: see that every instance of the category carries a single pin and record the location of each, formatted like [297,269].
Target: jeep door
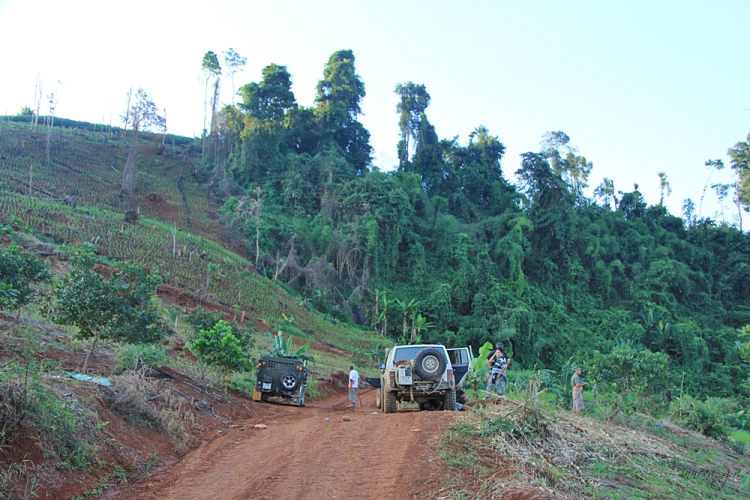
[460,358]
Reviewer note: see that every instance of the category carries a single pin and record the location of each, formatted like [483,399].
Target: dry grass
[522,449]
[144,401]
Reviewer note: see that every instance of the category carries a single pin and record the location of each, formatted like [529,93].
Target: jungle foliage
[538,265]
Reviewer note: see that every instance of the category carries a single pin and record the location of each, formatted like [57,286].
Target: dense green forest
[445,249]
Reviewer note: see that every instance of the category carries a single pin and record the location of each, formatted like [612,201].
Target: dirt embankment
[324,450]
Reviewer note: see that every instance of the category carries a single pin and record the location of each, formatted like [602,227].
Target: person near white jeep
[498,362]
[353,386]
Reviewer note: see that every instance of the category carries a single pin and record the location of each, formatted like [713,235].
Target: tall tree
[565,162]
[664,187]
[37,99]
[269,100]
[50,121]
[722,191]
[714,165]
[740,163]
[338,96]
[480,168]
[606,191]
[211,70]
[142,115]
[233,63]
[414,101]
[428,160]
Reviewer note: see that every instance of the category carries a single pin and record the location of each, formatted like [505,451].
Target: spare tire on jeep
[289,381]
[430,363]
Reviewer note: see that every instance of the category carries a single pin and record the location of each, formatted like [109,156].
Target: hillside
[177,232]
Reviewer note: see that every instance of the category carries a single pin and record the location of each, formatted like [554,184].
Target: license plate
[266,386]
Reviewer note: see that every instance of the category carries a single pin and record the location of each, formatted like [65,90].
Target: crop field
[76,198]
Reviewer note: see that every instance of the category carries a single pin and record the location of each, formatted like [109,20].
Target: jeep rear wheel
[430,363]
[389,402]
[289,381]
[449,403]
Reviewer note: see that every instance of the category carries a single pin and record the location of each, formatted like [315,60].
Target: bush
[18,271]
[219,347]
[243,382]
[200,319]
[702,416]
[117,306]
[139,357]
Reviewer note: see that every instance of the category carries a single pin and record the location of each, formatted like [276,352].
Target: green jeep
[280,377]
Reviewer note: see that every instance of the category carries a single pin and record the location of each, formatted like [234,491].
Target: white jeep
[419,373]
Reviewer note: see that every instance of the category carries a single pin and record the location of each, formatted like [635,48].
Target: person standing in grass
[353,386]
[498,362]
[575,381]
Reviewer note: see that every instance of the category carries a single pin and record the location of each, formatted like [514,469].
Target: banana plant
[420,323]
[559,383]
[383,316]
[478,375]
[281,347]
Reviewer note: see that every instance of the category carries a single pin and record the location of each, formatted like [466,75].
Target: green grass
[741,436]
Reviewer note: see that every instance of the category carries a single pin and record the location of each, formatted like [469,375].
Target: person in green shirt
[575,381]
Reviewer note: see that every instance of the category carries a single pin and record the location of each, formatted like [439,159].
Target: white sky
[639,86]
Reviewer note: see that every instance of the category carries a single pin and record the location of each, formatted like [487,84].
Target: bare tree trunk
[127,112]
[128,173]
[257,237]
[205,111]
[38,98]
[174,240]
[49,136]
[214,101]
[737,202]
[90,353]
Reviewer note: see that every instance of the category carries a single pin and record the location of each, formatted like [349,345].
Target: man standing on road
[353,386]
[498,362]
[575,381]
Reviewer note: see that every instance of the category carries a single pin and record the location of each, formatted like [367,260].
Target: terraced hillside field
[76,197]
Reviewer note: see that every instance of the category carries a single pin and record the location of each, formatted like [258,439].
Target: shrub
[139,357]
[243,382]
[219,347]
[702,416]
[630,374]
[18,271]
[117,307]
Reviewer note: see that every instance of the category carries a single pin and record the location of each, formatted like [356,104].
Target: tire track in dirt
[303,456]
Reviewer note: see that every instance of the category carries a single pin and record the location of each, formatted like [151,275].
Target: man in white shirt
[353,386]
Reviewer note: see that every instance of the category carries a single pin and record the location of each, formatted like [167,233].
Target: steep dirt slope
[301,455]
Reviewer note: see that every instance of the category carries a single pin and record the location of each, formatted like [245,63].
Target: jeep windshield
[407,353]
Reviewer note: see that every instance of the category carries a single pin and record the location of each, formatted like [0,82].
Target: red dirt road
[300,455]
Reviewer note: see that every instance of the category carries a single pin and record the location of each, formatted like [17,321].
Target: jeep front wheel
[289,381]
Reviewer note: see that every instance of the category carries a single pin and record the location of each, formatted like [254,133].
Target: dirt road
[301,455]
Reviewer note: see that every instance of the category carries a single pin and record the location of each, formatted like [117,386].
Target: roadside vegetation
[637,437]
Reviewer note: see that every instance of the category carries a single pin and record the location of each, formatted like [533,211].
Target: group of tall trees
[537,264]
